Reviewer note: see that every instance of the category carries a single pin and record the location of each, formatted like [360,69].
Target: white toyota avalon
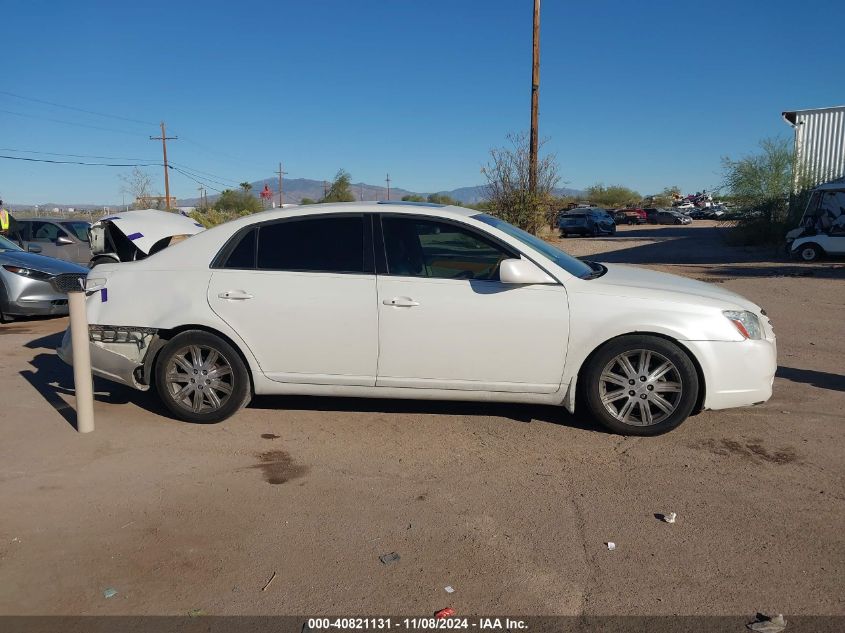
[411,300]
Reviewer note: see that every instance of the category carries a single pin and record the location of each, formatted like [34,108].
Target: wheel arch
[572,396]
[165,335]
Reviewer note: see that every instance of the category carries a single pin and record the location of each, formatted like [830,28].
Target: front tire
[640,385]
[810,252]
[201,378]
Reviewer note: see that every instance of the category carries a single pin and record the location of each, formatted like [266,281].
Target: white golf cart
[821,231]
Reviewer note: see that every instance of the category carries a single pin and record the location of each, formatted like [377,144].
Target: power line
[76,162]
[32,151]
[199,182]
[205,173]
[91,127]
[67,107]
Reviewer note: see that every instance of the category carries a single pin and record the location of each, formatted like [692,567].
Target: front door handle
[235,295]
[401,302]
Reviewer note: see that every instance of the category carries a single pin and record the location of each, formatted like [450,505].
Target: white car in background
[420,301]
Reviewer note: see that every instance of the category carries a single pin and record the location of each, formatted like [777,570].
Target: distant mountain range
[295,189]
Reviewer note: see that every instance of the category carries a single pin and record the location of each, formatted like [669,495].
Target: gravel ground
[510,505]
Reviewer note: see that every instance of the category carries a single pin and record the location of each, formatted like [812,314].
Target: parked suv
[668,216]
[62,239]
[630,216]
[591,221]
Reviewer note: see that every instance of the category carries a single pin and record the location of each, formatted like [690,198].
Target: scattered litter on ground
[127,525]
[448,612]
[110,592]
[766,624]
[668,517]
[611,545]
[195,613]
[272,578]
[386,559]
[449,589]
[16,540]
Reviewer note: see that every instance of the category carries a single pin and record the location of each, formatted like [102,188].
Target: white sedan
[410,300]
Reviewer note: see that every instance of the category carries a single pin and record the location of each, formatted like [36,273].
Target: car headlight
[746,323]
[27,272]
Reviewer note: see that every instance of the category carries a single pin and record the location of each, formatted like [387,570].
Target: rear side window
[243,255]
[332,244]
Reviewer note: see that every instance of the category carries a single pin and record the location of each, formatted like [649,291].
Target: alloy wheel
[199,378]
[640,387]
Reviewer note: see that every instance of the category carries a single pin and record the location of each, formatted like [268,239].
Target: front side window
[330,244]
[424,248]
[571,265]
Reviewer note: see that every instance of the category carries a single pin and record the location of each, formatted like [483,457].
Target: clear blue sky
[645,94]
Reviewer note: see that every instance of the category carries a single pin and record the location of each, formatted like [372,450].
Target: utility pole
[201,189]
[281,173]
[535,100]
[164,138]
[387,180]
[325,189]
[362,191]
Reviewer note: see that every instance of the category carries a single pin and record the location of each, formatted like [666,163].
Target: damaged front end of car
[121,354]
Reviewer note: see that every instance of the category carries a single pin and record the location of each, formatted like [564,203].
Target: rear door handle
[401,302]
[235,295]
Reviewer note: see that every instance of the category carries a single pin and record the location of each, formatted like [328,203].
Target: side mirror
[522,271]
[63,240]
[33,248]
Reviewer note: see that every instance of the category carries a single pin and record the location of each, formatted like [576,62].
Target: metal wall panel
[819,143]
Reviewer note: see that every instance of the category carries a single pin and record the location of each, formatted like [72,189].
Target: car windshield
[6,245]
[78,229]
[571,265]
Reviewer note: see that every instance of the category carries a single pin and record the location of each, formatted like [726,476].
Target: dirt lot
[510,505]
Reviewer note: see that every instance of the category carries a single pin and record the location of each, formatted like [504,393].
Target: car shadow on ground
[511,411]
[820,379]
[52,379]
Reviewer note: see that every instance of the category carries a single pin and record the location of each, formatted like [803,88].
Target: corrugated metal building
[819,143]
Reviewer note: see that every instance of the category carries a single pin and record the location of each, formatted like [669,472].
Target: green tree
[442,198]
[245,186]
[413,198]
[761,185]
[237,201]
[611,196]
[307,201]
[340,190]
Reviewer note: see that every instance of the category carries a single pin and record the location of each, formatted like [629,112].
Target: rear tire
[96,261]
[640,385]
[201,378]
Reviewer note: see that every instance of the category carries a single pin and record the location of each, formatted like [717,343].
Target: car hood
[49,265]
[643,283]
[148,226]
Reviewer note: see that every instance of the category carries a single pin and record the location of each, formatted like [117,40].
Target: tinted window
[425,248]
[243,255]
[571,265]
[333,244]
[45,232]
[78,229]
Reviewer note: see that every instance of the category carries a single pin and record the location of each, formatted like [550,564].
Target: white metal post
[82,381]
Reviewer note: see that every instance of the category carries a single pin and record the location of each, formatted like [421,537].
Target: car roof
[379,206]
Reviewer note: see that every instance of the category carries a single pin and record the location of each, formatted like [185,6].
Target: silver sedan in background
[26,287]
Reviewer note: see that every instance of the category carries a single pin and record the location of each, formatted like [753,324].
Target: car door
[46,235]
[447,322]
[302,295]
